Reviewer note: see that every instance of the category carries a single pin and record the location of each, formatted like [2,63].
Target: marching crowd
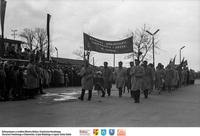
[24,80]
[137,79]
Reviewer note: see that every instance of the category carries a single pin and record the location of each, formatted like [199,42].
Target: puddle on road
[65,98]
[61,97]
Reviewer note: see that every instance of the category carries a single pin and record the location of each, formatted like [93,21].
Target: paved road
[181,109]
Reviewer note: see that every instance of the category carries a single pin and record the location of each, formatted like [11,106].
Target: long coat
[120,75]
[160,78]
[128,79]
[169,77]
[87,78]
[2,81]
[176,78]
[107,78]
[148,78]
[137,73]
[32,81]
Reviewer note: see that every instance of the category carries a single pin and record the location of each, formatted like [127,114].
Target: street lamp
[152,34]
[180,53]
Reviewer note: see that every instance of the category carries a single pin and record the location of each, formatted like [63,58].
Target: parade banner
[114,47]
[2,14]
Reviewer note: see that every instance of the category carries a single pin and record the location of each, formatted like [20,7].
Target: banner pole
[93,60]
[114,60]
[133,52]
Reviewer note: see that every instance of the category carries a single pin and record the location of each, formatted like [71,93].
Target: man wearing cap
[160,77]
[137,73]
[147,79]
[120,75]
[128,79]
[2,82]
[87,80]
[107,78]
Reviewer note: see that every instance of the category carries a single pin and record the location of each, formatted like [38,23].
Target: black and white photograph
[100,63]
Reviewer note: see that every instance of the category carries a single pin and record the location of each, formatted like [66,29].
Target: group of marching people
[137,79]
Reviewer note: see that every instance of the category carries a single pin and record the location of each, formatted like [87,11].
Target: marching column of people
[141,78]
[21,81]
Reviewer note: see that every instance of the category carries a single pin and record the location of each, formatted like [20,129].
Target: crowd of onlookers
[26,79]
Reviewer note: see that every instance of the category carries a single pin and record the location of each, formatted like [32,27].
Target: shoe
[89,99]
[80,98]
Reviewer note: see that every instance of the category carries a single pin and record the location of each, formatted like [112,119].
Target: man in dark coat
[2,82]
[128,78]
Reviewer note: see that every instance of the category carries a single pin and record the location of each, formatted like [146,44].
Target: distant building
[9,46]
[70,62]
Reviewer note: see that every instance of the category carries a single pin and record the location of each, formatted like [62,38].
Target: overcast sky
[178,22]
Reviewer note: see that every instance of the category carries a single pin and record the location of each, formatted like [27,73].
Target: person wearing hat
[2,82]
[128,79]
[87,80]
[120,75]
[159,77]
[98,83]
[169,78]
[147,79]
[32,82]
[107,78]
[137,73]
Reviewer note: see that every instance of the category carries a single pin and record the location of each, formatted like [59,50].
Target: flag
[48,35]
[182,61]
[2,14]
[174,60]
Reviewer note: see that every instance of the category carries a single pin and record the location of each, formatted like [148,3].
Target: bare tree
[80,53]
[28,36]
[142,44]
[41,38]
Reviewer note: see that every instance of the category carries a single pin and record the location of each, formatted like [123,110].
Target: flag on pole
[2,14]
[174,60]
[48,35]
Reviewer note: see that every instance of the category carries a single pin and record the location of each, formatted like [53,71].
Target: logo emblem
[111,132]
[103,132]
[121,132]
[95,132]
[85,132]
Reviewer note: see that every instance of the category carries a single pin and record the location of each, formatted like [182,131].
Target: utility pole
[180,53]
[153,34]
[14,33]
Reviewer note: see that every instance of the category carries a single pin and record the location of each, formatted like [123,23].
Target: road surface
[58,108]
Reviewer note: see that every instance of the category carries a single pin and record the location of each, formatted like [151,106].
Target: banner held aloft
[113,47]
